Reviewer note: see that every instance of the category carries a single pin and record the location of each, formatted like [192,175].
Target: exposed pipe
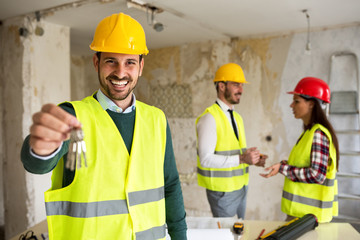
[308,44]
[50,11]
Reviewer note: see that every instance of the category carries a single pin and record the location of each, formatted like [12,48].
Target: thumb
[251,149]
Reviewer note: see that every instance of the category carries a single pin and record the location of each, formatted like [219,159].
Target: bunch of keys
[76,149]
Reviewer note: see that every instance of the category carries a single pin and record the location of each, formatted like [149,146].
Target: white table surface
[207,228]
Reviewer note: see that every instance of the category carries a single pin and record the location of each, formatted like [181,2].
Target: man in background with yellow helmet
[223,160]
[130,188]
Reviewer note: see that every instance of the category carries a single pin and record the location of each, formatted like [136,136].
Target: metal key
[76,149]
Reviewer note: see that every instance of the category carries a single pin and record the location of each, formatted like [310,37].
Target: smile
[119,83]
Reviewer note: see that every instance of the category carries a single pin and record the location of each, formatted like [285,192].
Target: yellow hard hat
[119,33]
[230,72]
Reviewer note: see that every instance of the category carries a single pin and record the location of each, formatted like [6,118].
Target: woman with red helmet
[310,172]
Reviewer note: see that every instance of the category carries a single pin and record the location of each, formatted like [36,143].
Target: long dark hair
[318,116]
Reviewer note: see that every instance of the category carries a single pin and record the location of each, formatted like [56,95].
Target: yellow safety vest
[300,198]
[224,179]
[117,196]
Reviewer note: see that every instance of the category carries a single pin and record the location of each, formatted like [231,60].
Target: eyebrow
[127,59]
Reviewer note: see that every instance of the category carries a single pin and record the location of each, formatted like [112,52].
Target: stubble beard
[229,98]
[107,91]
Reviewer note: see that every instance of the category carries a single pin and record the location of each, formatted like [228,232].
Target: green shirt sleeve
[174,204]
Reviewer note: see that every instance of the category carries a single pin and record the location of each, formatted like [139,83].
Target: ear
[222,86]
[311,104]
[96,62]
[141,66]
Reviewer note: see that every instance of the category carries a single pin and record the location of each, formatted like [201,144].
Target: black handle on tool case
[295,229]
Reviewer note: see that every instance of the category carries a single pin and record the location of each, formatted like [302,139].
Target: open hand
[274,169]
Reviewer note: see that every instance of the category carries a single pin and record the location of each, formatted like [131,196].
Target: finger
[48,134]
[61,114]
[254,159]
[271,173]
[41,147]
[251,149]
[261,163]
[264,175]
[55,118]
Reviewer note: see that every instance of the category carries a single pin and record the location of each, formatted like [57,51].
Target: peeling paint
[160,59]
[13,29]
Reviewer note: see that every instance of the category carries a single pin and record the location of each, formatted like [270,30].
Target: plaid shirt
[316,173]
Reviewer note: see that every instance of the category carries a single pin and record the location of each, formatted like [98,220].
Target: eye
[109,61]
[131,62]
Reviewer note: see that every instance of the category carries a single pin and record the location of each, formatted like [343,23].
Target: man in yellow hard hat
[130,188]
[223,160]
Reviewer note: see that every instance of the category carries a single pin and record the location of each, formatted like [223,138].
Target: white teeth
[119,83]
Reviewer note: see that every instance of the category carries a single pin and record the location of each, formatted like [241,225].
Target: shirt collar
[223,105]
[107,103]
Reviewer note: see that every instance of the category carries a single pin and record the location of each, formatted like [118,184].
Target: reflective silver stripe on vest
[152,233]
[103,208]
[151,195]
[328,182]
[86,210]
[224,174]
[230,153]
[308,201]
[336,199]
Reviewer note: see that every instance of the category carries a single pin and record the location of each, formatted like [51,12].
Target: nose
[119,71]
[292,105]
[240,88]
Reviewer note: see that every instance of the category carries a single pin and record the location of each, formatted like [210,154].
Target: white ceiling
[188,21]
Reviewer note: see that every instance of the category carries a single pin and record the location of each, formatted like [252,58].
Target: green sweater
[175,213]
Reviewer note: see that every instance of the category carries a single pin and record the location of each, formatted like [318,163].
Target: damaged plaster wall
[84,81]
[37,71]
[13,175]
[46,78]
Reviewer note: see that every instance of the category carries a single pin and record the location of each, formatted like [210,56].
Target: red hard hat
[313,87]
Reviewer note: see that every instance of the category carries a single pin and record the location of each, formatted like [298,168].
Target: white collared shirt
[107,103]
[207,138]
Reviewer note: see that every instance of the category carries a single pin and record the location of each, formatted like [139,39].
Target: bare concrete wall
[84,81]
[13,174]
[46,78]
[34,70]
